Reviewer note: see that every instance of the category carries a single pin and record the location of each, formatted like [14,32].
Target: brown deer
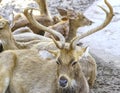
[90,72]
[68,25]
[24,74]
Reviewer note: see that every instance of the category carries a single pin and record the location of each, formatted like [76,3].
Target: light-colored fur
[87,62]
[66,56]
[9,41]
[25,72]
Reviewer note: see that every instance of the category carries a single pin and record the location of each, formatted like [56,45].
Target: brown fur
[61,27]
[69,25]
[88,64]
[26,74]
[24,22]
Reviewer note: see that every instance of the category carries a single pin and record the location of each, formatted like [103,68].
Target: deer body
[24,22]
[27,74]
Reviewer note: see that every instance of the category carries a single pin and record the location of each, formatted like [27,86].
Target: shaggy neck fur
[72,30]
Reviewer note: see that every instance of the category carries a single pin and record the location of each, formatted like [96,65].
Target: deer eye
[83,17]
[58,62]
[73,63]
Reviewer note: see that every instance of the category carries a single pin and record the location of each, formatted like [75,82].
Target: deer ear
[54,53]
[83,52]
[62,12]
[86,52]
[80,15]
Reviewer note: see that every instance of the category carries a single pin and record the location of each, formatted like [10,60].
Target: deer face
[68,68]
[79,20]
[84,20]
[4,26]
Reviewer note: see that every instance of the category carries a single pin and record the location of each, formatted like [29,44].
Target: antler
[109,16]
[40,26]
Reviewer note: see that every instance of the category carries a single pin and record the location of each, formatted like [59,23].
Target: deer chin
[67,89]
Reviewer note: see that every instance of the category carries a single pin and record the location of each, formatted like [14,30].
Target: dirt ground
[108,77]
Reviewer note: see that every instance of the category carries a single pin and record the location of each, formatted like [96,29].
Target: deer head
[68,67]
[6,36]
[4,25]
[77,17]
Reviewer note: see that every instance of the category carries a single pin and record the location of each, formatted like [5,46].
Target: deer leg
[4,80]
[92,79]
[6,67]
[17,88]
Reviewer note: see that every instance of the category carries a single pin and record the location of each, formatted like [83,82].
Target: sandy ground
[104,45]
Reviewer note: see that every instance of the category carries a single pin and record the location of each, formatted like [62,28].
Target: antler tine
[40,26]
[109,16]
[57,44]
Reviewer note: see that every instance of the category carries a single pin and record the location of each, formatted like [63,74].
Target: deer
[88,60]
[59,75]
[71,20]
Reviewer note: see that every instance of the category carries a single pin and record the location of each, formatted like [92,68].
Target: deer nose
[91,22]
[63,81]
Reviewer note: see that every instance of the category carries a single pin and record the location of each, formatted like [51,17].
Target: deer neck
[44,8]
[72,31]
[7,39]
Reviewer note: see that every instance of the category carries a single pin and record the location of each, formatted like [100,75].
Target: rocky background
[104,45]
